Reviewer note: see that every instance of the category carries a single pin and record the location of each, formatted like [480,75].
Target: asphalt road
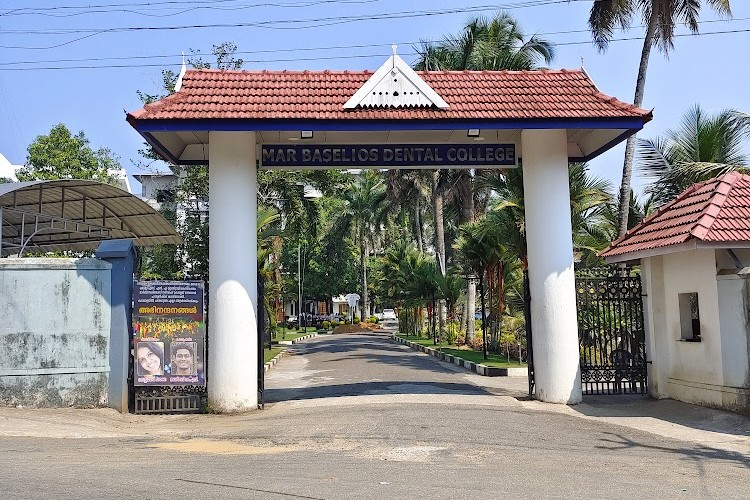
[359,417]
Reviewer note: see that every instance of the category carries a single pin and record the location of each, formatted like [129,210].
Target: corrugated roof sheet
[117,213]
[224,94]
[714,211]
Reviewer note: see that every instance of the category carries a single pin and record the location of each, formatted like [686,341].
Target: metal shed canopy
[72,214]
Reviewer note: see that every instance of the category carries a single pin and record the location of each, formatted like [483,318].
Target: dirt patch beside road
[361,327]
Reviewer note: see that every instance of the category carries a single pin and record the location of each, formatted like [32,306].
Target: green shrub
[451,331]
[335,323]
[372,319]
[326,325]
[355,320]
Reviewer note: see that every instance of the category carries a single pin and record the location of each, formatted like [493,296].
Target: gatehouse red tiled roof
[267,95]
[714,211]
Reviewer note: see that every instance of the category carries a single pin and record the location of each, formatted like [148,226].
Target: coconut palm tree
[703,147]
[660,18]
[268,264]
[363,213]
[423,285]
[408,193]
[496,43]
[399,268]
[589,199]
[480,248]
[450,288]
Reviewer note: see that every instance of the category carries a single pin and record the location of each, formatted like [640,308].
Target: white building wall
[734,303]
[8,170]
[692,363]
[151,185]
[714,371]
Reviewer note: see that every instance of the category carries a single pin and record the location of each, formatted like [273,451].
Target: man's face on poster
[184,361]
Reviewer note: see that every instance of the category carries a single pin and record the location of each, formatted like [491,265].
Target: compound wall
[54,332]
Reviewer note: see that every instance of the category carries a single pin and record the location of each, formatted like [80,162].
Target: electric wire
[3,66]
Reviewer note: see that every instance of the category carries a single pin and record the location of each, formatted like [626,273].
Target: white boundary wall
[54,332]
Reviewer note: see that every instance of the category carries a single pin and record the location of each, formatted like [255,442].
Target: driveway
[359,417]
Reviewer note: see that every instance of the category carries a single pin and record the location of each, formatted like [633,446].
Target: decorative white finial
[582,61]
[178,84]
[393,48]
[395,85]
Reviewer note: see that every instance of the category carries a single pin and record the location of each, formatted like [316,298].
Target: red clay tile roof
[221,94]
[714,211]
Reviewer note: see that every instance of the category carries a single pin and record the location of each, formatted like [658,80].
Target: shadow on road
[698,455]
[372,388]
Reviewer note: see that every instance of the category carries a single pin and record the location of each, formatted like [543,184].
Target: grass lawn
[493,359]
[291,335]
[269,355]
[298,331]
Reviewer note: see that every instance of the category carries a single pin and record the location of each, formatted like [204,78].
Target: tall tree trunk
[437,209]
[471,300]
[640,86]
[363,264]
[437,214]
[500,295]
[418,226]
[484,314]
[467,215]
[434,333]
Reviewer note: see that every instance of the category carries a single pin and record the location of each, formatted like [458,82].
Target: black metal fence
[611,333]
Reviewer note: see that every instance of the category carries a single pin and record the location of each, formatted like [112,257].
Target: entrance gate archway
[238,121]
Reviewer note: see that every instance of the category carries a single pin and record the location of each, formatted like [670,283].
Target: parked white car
[389,314]
[389,320]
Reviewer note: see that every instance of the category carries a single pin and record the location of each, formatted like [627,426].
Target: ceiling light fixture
[473,132]
[306,134]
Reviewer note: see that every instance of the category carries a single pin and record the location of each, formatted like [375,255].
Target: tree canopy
[62,155]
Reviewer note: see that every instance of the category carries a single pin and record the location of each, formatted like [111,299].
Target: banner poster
[170,333]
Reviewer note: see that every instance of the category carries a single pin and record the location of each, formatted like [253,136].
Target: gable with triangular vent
[395,85]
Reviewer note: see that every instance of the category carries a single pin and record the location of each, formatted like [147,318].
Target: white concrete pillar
[655,325]
[550,257]
[233,289]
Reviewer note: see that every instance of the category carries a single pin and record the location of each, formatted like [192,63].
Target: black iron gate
[611,334]
[261,344]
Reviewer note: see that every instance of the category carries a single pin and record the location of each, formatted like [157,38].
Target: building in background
[158,188]
[8,170]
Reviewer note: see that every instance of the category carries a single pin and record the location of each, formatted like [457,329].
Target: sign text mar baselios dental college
[390,155]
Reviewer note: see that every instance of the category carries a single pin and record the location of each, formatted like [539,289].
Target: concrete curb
[273,361]
[298,339]
[484,370]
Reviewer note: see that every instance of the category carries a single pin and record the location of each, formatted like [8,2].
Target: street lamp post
[299,285]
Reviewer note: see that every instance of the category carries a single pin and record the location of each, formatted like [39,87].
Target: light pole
[310,193]
[299,285]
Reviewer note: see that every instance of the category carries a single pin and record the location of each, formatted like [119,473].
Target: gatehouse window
[690,324]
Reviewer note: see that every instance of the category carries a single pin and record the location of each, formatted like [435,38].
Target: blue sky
[293,34]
